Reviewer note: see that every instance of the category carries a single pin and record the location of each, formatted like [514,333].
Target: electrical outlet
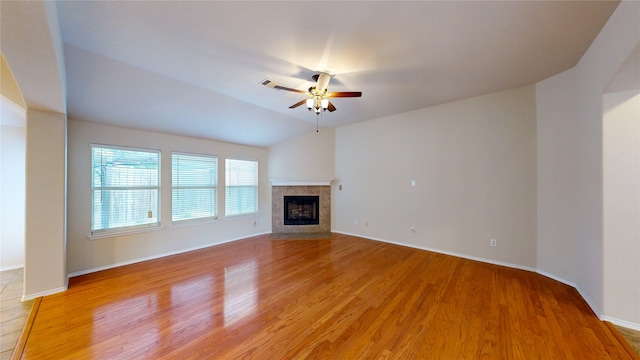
[413,229]
[494,242]
[355,222]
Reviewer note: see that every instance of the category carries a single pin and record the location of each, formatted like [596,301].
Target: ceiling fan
[318,100]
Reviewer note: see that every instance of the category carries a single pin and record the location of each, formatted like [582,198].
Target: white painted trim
[589,302]
[193,222]
[153,257]
[625,324]
[586,298]
[551,276]
[484,260]
[130,230]
[11,267]
[44,293]
[306,182]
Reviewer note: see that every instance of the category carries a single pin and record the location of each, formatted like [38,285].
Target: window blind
[241,188]
[125,188]
[194,185]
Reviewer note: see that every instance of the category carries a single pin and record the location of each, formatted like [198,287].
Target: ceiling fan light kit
[317,104]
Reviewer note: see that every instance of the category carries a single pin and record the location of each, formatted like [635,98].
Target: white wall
[595,71]
[307,157]
[621,155]
[557,177]
[571,103]
[45,225]
[85,255]
[474,166]
[12,193]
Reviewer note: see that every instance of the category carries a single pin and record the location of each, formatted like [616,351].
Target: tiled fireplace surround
[279,191]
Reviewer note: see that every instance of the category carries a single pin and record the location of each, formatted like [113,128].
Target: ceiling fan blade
[298,104]
[278,87]
[344,94]
[268,83]
[331,108]
[272,84]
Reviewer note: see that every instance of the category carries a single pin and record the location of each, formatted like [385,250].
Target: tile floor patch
[13,312]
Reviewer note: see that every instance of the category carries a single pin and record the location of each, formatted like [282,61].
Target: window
[241,187]
[194,182]
[126,187]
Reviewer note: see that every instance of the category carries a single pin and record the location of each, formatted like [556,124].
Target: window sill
[125,232]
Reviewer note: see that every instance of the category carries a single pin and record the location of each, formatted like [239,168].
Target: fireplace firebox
[301,210]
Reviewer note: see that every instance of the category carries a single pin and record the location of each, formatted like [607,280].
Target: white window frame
[228,186]
[199,219]
[117,230]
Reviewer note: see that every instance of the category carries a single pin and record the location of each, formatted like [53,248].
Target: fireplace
[303,190]
[301,210]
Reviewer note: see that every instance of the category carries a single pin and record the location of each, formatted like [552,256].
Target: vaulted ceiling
[195,68]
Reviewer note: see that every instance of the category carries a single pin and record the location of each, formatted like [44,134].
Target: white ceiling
[194,68]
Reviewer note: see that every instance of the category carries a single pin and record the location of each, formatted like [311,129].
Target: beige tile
[17,311]
[9,273]
[6,354]
[13,312]
[17,279]
[5,279]
[12,326]
[9,294]
[13,286]
[9,341]
[13,303]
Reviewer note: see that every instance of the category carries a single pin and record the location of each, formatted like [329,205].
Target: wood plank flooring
[340,298]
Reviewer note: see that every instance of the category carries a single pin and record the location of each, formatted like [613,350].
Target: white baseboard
[592,305]
[584,296]
[157,256]
[623,323]
[44,293]
[11,267]
[551,276]
[464,256]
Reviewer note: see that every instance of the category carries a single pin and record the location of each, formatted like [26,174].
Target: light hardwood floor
[632,337]
[340,298]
